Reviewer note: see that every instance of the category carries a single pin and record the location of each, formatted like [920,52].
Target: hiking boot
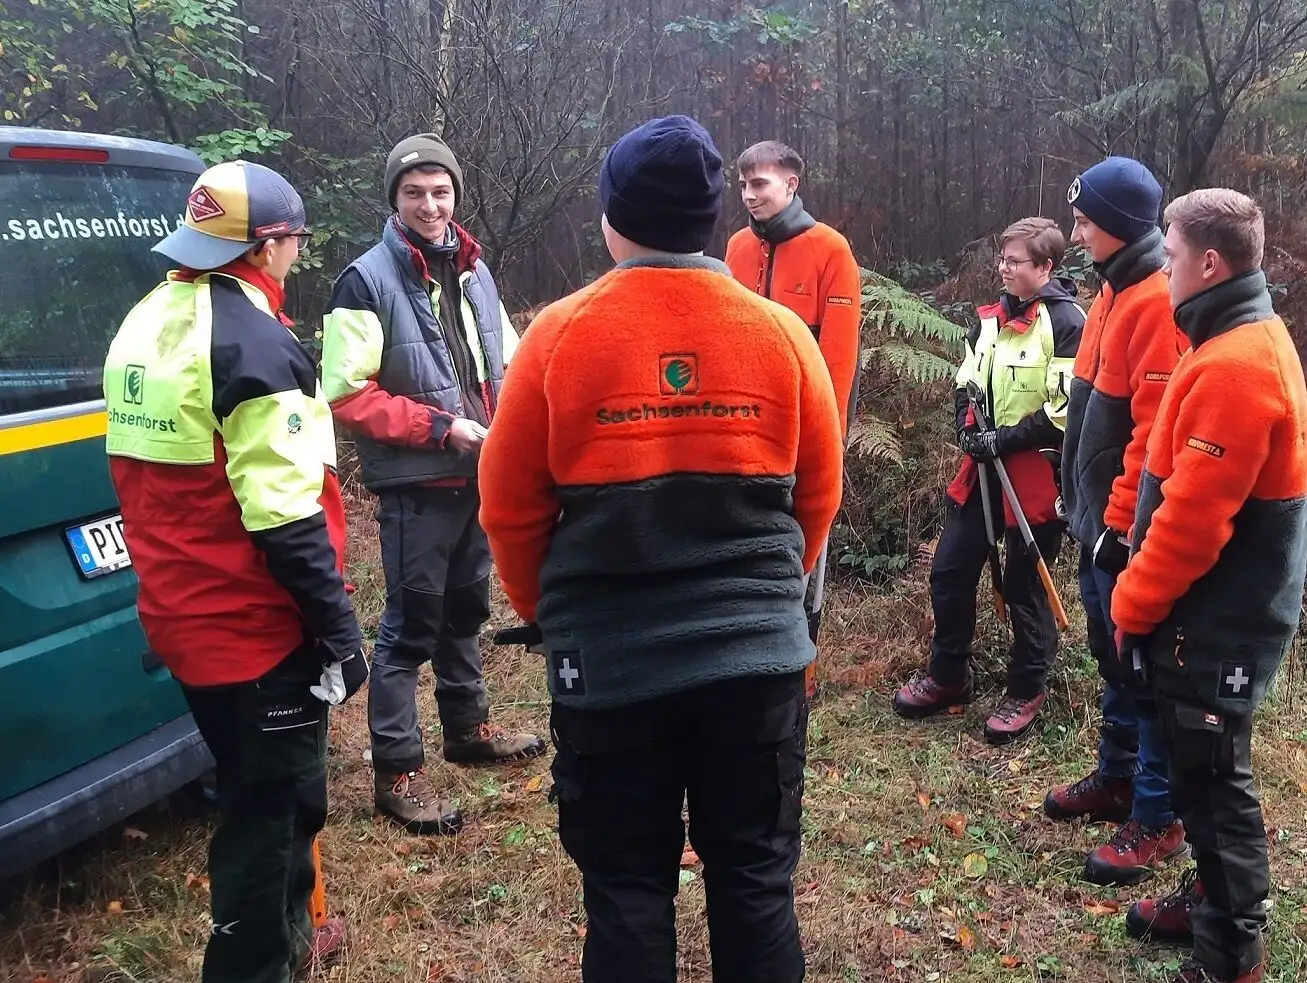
[1098,799]
[491,744]
[324,948]
[1133,851]
[1168,919]
[1192,972]
[410,800]
[1013,718]
[922,696]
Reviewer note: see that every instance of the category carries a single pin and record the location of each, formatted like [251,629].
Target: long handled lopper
[977,397]
[995,571]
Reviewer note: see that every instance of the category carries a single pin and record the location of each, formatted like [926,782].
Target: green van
[92,726]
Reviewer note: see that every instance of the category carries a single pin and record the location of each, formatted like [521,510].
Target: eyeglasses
[1012,264]
[304,238]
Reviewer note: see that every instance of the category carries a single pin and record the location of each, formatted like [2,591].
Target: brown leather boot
[324,948]
[1170,918]
[925,696]
[1134,852]
[1096,798]
[410,800]
[491,744]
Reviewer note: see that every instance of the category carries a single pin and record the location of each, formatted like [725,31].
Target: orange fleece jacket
[815,276]
[1128,351]
[649,372]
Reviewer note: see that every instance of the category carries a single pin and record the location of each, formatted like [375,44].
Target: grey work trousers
[437,567]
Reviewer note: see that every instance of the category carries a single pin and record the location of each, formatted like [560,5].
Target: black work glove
[1111,552]
[341,679]
[982,445]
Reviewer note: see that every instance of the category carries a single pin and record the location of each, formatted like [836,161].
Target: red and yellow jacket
[1215,584]
[663,469]
[808,267]
[223,456]
[1127,352]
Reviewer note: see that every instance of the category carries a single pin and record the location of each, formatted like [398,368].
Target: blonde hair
[1224,220]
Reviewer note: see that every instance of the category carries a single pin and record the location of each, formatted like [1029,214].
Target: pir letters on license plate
[99,547]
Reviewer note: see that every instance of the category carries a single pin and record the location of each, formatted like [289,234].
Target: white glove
[341,680]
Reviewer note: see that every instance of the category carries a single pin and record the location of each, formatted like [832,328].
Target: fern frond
[872,437]
[898,312]
[910,362]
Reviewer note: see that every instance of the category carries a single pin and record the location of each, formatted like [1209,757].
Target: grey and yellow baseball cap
[231,207]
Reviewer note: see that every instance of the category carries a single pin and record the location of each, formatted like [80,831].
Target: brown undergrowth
[926,858]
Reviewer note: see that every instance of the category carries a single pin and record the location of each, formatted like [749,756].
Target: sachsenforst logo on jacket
[134,385]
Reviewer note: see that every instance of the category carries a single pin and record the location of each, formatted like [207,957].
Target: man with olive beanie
[663,471]
[415,340]
[1128,350]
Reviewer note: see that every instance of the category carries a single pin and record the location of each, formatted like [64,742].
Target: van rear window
[74,258]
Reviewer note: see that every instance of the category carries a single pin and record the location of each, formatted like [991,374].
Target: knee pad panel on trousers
[467,608]
[421,616]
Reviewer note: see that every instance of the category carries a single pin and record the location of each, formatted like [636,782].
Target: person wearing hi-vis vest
[223,456]
[1021,355]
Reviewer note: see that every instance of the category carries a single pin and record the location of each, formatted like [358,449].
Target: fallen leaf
[390,923]
[956,710]
[689,858]
[42,979]
[436,973]
[1009,962]
[915,843]
[924,799]
[581,931]
[966,938]
[955,823]
[403,848]
[115,908]
[1014,766]
[535,784]
[197,880]
[132,833]
[1100,908]
[975,865]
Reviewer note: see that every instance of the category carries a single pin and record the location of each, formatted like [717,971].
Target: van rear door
[78,215]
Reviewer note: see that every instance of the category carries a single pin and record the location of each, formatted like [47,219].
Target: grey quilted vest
[415,361]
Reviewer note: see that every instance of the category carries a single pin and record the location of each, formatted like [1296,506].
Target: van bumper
[43,821]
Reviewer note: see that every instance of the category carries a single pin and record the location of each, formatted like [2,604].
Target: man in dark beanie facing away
[1129,347]
[665,468]
[415,340]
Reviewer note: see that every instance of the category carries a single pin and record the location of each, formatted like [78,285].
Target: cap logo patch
[276,229]
[202,206]
[1073,192]
[408,157]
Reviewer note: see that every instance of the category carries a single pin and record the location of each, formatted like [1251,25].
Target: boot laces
[1090,783]
[1127,837]
[1186,893]
[1009,709]
[412,786]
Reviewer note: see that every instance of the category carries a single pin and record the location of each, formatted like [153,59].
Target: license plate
[99,547]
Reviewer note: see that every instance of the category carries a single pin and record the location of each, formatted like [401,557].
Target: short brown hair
[1042,237]
[1222,219]
[770,153]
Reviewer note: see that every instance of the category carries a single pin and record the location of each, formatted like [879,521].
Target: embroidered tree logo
[679,375]
[134,385]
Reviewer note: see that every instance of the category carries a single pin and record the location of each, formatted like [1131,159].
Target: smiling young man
[1211,596]
[234,519]
[1021,353]
[415,341]
[1129,349]
[788,256]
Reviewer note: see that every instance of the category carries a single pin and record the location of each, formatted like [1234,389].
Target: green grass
[885,888]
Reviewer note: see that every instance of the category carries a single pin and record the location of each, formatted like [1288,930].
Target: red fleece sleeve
[1218,452]
[1152,350]
[840,292]
[375,413]
[518,505]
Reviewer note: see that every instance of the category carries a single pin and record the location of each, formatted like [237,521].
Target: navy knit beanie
[1120,196]
[661,185]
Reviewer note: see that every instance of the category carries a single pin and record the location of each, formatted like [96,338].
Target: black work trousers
[960,557]
[268,739]
[1213,795]
[735,750]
